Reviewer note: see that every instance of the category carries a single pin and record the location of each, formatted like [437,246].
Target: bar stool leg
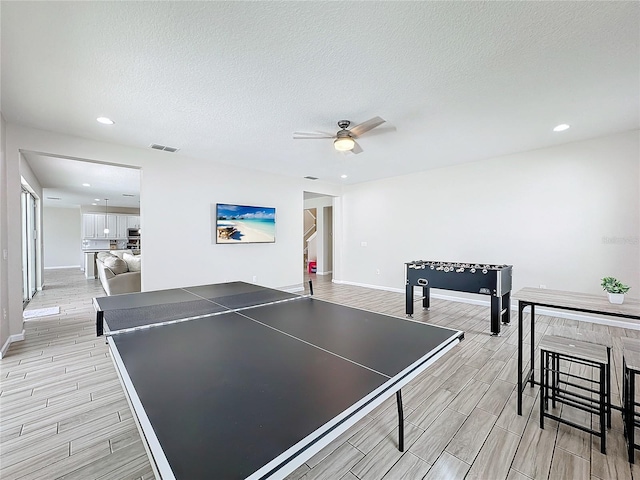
[543,375]
[631,396]
[603,410]
[555,377]
[609,387]
[625,406]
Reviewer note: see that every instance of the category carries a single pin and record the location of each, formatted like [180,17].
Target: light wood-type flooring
[64,414]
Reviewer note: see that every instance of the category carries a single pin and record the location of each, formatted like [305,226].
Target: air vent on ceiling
[156,146]
[128,195]
[311,178]
[54,198]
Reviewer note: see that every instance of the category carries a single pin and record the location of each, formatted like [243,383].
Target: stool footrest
[572,424]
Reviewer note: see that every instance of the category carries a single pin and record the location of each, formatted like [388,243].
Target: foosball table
[483,279]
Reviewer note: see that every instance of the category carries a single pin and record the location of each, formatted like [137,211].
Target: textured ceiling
[231,81]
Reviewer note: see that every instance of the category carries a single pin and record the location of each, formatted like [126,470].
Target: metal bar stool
[631,367]
[598,338]
[553,350]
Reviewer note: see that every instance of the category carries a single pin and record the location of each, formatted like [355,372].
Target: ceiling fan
[345,138]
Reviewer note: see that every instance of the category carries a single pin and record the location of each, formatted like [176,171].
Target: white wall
[4,269]
[176,197]
[177,225]
[62,232]
[563,216]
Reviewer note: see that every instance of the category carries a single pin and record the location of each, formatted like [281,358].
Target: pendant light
[106,215]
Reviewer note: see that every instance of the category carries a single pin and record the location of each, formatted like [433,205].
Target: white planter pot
[616,298]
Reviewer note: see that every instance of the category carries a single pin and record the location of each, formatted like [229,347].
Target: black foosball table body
[482,279]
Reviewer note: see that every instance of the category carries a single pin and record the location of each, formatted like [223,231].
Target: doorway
[29,206]
[318,233]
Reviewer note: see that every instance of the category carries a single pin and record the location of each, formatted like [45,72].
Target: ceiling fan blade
[366,126]
[381,131]
[356,148]
[312,135]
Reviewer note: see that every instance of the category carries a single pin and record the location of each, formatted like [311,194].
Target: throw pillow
[133,262]
[116,265]
[102,255]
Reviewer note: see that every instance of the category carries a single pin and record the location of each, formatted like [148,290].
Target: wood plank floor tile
[337,464]
[509,418]
[496,397]
[431,408]
[516,475]
[568,465]
[469,397]
[379,461]
[409,467]
[494,458]
[435,438]
[448,467]
[535,452]
[470,438]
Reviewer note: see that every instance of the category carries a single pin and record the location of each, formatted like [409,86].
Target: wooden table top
[631,352]
[581,302]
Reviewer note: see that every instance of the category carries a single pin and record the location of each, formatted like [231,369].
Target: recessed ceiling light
[105,121]
[343,176]
[561,128]
[97,199]
[86,185]
[94,204]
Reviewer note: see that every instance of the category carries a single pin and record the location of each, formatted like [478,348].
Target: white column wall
[62,237]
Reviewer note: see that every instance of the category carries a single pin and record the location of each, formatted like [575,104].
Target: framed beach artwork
[244,224]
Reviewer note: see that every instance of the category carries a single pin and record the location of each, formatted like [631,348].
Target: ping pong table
[235,380]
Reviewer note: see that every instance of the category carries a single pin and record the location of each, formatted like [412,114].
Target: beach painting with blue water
[244,224]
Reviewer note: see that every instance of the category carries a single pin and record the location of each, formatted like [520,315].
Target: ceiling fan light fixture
[344,144]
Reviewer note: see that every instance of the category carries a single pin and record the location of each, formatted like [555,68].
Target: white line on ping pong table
[197,317]
[313,345]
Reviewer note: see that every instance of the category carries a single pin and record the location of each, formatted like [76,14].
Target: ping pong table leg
[521,307]
[99,323]
[400,421]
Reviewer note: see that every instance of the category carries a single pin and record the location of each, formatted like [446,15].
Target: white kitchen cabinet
[112,225]
[101,223]
[88,225]
[93,225]
[133,221]
[106,221]
[123,225]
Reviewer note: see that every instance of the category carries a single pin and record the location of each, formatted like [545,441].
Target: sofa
[119,271]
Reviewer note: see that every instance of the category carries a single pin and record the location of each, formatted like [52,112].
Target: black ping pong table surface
[236,380]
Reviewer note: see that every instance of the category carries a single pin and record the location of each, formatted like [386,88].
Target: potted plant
[615,289]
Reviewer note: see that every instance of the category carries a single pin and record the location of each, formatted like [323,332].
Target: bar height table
[573,301]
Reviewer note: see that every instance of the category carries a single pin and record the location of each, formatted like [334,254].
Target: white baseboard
[365,285]
[325,273]
[62,266]
[18,337]
[514,307]
[292,288]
